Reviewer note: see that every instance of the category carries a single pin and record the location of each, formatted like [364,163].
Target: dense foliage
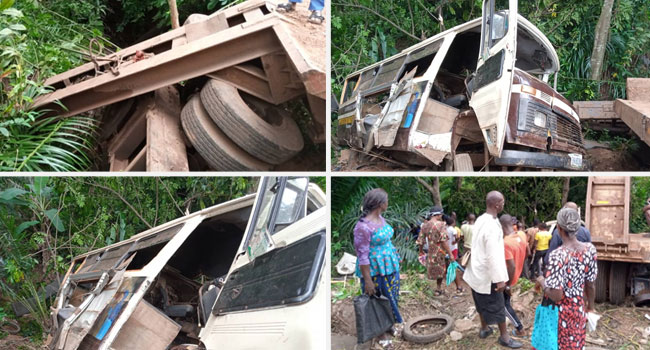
[366,31]
[526,198]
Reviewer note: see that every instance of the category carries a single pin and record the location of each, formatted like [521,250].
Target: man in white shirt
[486,272]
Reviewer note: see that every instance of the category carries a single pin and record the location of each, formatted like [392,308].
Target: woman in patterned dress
[571,270]
[434,234]
[377,258]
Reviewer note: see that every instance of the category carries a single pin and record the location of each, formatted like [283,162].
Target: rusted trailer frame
[622,256]
[217,46]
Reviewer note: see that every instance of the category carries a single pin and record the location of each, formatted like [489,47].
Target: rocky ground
[621,327]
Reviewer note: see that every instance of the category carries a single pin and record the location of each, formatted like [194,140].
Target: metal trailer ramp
[250,46]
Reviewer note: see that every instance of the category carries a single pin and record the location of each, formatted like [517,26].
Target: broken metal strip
[66,325]
[197,58]
[150,272]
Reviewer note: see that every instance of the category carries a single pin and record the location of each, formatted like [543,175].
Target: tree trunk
[436,192]
[173,11]
[600,40]
[433,188]
[459,183]
[565,190]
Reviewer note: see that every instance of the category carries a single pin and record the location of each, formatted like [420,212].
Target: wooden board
[147,328]
[638,89]
[165,146]
[636,114]
[595,110]
[437,118]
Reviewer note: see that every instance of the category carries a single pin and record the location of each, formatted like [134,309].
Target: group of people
[499,250]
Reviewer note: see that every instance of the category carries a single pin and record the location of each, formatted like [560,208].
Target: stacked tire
[235,132]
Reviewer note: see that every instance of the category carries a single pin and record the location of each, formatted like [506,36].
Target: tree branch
[121,198]
[365,8]
[170,196]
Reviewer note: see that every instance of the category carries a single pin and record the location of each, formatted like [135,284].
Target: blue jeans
[314,5]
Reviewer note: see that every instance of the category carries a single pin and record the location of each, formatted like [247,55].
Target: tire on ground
[409,335]
[274,142]
[617,282]
[602,281]
[214,146]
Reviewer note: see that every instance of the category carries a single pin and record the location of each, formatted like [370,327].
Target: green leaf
[39,184]
[22,227]
[4,132]
[11,193]
[5,4]
[6,32]
[18,27]
[13,13]
[53,215]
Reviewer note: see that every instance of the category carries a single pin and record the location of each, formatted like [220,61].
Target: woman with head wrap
[377,258]
[570,271]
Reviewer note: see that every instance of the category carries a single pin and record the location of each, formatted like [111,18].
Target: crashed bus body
[472,96]
[247,273]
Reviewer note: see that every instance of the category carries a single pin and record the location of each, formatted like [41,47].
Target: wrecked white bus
[468,98]
[245,274]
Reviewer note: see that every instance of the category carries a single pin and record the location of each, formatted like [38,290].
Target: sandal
[439,293]
[386,344]
[514,334]
[485,333]
[286,7]
[460,290]
[511,343]
[397,329]
[316,17]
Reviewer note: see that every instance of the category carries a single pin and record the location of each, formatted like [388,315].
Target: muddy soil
[602,159]
[621,327]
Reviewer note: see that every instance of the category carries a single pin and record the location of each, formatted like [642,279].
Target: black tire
[617,282]
[602,281]
[428,338]
[212,144]
[274,142]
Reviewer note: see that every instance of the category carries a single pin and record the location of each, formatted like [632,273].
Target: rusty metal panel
[636,114]
[608,209]
[638,89]
[225,49]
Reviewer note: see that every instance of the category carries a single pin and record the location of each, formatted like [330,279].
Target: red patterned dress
[434,233]
[569,270]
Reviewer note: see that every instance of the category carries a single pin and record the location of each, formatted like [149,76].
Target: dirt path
[620,327]
[310,36]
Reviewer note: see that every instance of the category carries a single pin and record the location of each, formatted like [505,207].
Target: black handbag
[374,316]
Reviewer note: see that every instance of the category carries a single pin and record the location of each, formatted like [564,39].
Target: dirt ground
[16,342]
[311,36]
[601,159]
[621,327]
